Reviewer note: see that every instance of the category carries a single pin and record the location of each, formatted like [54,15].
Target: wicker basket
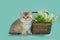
[41,28]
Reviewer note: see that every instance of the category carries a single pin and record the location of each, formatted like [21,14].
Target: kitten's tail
[13,32]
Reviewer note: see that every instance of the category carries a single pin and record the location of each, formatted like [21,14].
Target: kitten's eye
[23,17]
[27,16]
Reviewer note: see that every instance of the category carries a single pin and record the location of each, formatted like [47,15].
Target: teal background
[10,11]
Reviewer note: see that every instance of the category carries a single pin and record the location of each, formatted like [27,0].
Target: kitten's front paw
[29,32]
[24,33]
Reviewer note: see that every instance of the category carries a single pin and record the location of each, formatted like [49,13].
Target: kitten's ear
[30,13]
[21,13]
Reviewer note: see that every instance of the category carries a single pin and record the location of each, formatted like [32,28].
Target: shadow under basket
[41,28]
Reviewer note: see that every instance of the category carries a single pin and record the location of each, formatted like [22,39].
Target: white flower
[52,17]
[43,13]
[46,15]
[40,13]
[35,20]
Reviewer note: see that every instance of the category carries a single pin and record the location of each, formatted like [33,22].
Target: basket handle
[34,12]
[37,12]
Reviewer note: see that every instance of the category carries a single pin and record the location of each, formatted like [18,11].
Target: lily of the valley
[48,16]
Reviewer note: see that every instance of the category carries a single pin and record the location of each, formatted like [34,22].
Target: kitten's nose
[25,18]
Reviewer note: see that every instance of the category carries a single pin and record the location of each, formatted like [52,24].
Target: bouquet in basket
[42,22]
[44,17]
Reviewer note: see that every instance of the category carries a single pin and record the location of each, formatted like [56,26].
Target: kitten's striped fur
[23,24]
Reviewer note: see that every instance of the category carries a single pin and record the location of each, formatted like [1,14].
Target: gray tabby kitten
[23,24]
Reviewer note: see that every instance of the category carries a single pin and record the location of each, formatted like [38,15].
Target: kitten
[23,24]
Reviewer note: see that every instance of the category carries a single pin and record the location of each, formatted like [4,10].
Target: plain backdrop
[10,11]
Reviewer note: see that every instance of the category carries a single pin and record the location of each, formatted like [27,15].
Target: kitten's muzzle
[25,18]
